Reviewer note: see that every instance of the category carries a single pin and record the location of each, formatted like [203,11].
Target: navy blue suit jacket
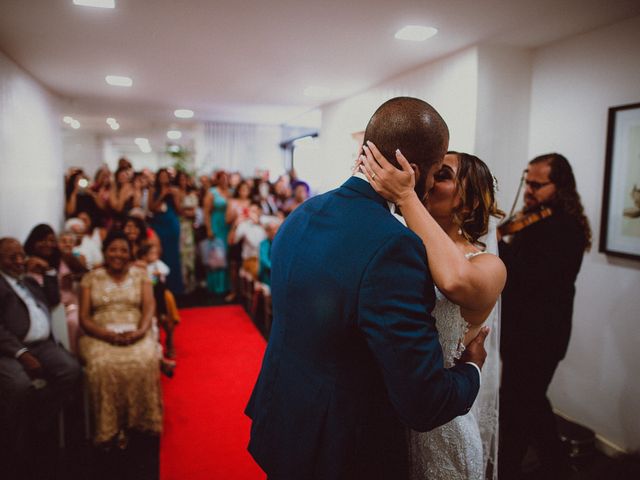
[353,357]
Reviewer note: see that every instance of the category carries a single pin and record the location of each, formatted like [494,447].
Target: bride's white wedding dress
[462,448]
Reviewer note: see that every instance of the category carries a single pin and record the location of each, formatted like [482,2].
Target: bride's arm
[474,284]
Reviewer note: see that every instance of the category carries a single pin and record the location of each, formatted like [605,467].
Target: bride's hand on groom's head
[392,183]
[475,352]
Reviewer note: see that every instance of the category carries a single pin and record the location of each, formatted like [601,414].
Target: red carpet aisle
[206,432]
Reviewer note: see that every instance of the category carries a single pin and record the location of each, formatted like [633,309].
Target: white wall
[238,147]
[574,83]
[502,122]
[31,167]
[82,149]
[449,84]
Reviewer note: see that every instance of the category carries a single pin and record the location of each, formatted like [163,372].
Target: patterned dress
[124,381]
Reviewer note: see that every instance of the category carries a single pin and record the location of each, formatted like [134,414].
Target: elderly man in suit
[36,375]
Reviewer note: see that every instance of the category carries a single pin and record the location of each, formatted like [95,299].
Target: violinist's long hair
[567,198]
[475,187]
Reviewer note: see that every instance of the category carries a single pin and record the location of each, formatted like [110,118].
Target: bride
[458,228]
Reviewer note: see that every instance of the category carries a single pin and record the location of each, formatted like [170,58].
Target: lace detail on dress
[451,329]
[453,451]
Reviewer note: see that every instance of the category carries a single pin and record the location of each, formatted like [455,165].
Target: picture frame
[620,225]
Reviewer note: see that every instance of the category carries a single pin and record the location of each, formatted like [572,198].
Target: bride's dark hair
[475,186]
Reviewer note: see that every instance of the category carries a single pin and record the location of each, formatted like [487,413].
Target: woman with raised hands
[456,222]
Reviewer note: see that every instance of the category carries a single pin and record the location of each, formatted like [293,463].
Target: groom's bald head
[414,127]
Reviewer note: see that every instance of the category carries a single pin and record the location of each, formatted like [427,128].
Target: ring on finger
[373,177]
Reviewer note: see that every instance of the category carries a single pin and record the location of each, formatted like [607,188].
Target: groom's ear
[416,169]
[421,187]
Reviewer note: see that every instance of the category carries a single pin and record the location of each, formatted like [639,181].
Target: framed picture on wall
[620,226]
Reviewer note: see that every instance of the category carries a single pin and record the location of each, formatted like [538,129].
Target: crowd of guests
[195,224]
[133,245]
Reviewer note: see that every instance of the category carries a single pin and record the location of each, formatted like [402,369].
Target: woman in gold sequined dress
[119,350]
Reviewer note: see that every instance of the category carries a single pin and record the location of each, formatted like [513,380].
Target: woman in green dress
[215,208]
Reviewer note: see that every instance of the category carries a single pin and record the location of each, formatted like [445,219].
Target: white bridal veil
[485,407]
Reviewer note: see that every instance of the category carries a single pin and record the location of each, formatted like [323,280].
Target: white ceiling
[250,60]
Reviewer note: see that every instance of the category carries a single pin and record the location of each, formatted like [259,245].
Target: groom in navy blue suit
[354,358]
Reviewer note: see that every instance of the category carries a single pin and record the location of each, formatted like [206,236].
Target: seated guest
[147,235]
[166,309]
[136,231]
[121,355]
[144,244]
[42,243]
[248,232]
[88,238]
[69,244]
[36,375]
[156,268]
[69,276]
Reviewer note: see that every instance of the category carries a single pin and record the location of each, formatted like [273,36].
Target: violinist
[542,248]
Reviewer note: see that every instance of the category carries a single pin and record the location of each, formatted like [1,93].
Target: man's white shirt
[39,329]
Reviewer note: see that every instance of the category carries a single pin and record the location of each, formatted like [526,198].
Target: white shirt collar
[10,280]
[392,206]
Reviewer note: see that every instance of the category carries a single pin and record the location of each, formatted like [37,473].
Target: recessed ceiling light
[96,3]
[75,124]
[317,92]
[174,134]
[118,81]
[143,144]
[111,120]
[415,33]
[67,119]
[114,126]
[183,113]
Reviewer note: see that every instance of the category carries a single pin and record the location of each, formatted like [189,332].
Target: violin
[523,220]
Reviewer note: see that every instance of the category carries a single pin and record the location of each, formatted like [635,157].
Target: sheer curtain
[241,147]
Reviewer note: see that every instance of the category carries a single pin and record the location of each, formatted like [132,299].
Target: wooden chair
[246,290]
[268,313]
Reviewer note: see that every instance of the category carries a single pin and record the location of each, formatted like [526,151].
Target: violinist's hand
[393,184]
